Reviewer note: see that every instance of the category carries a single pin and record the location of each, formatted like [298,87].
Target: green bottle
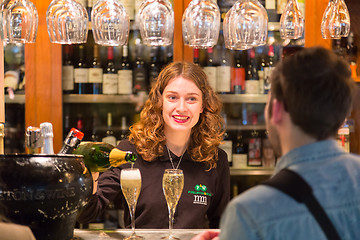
[100,156]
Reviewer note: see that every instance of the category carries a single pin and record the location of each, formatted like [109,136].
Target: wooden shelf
[19,99]
[98,98]
[245,127]
[101,98]
[251,171]
[244,98]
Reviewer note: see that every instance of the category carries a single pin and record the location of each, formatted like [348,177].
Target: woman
[180,127]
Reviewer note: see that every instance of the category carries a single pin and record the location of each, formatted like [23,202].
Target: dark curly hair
[148,133]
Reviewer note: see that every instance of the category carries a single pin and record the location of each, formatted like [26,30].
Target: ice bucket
[44,192]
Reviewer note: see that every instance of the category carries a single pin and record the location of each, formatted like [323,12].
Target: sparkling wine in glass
[130,180]
[173,184]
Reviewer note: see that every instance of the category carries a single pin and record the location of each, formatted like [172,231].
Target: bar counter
[150,234]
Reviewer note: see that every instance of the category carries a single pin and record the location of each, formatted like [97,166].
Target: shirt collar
[310,152]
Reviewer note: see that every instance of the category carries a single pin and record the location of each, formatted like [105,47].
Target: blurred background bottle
[95,73]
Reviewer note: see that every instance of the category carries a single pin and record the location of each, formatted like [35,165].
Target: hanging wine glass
[201,24]
[291,21]
[67,22]
[110,23]
[19,21]
[336,20]
[245,25]
[156,22]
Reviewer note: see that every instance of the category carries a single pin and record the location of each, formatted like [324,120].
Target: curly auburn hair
[148,133]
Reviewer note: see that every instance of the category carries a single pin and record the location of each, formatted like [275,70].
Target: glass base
[134,237]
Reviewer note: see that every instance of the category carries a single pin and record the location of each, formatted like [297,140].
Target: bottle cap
[33,138]
[46,129]
[76,133]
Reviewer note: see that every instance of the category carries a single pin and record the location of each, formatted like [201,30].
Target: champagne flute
[173,184]
[130,180]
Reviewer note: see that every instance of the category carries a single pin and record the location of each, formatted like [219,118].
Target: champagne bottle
[72,141]
[48,135]
[100,156]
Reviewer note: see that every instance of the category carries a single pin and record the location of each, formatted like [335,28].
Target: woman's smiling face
[182,104]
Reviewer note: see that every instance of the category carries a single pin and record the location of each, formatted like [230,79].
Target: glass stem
[132,215]
[171,219]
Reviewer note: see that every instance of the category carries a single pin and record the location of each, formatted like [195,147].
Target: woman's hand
[207,235]
[95,177]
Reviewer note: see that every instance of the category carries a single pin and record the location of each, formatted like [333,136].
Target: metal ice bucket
[44,192]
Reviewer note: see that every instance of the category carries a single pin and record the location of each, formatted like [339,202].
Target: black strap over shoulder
[292,184]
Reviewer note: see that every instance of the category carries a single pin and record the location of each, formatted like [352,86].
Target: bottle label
[129,6]
[227,147]
[67,77]
[211,74]
[110,139]
[125,82]
[110,83]
[81,75]
[223,81]
[270,4]
[239,160]
[252,86]
[95,75]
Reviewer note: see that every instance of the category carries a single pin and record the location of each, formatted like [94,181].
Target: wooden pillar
[314,11]
[43,79]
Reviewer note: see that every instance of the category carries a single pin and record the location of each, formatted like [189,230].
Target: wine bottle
[48,135]
[240,151]
[67,71]
[252,77]
[109,137]
[72,141]
[238,74]
[94,133]
[81,73]
[140,77]
[223,71]
[268,69]
[125,84]
[261,71]
[95,73]
[110,78]
[100,156]
[124,129]
[352,55]
[196,58]
[255,156]
[155,63]
[210,69]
